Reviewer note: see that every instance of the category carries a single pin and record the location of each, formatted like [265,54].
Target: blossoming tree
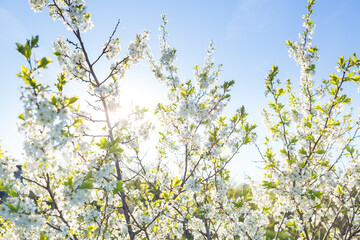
[83,176]
[315,176]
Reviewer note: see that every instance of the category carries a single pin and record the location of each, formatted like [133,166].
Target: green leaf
[320,151]
[103,144]
[318,107]
[86,185]
[11,207]
[356,79]
[274,68]
[27,51]
[14,209]
[341,61]
[302,151]
[310,138]
[337,123]
[72,100]
[318,194]
[25,75]
[69,182]
[53,100]
[269,185]
[350,149]
[116,149]
[13,193]
[247,139]
[43,236]
[43,62]
[308,124]
[166,196]
[239,203]
[176,182]
[24,70]
[332,91]
[313,175]
[283,151]
[315,194]
[293,140]
[61,82]
[89,175]
[33,82]
[78,121]
[20,48]
[347,100]
[290,224]
[34,41]
[2,187]
[267,209]
[339,190]
[21,116]
[119,187]
[281,91]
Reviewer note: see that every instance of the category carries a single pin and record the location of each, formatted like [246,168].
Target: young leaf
[43,62]
[21,116]
[119,187]
[86,185]
[72,100]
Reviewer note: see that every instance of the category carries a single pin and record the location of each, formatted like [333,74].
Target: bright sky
[249,36]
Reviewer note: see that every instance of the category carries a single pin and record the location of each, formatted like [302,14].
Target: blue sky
[249,36]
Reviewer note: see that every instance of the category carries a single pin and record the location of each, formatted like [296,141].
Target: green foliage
[25,49]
